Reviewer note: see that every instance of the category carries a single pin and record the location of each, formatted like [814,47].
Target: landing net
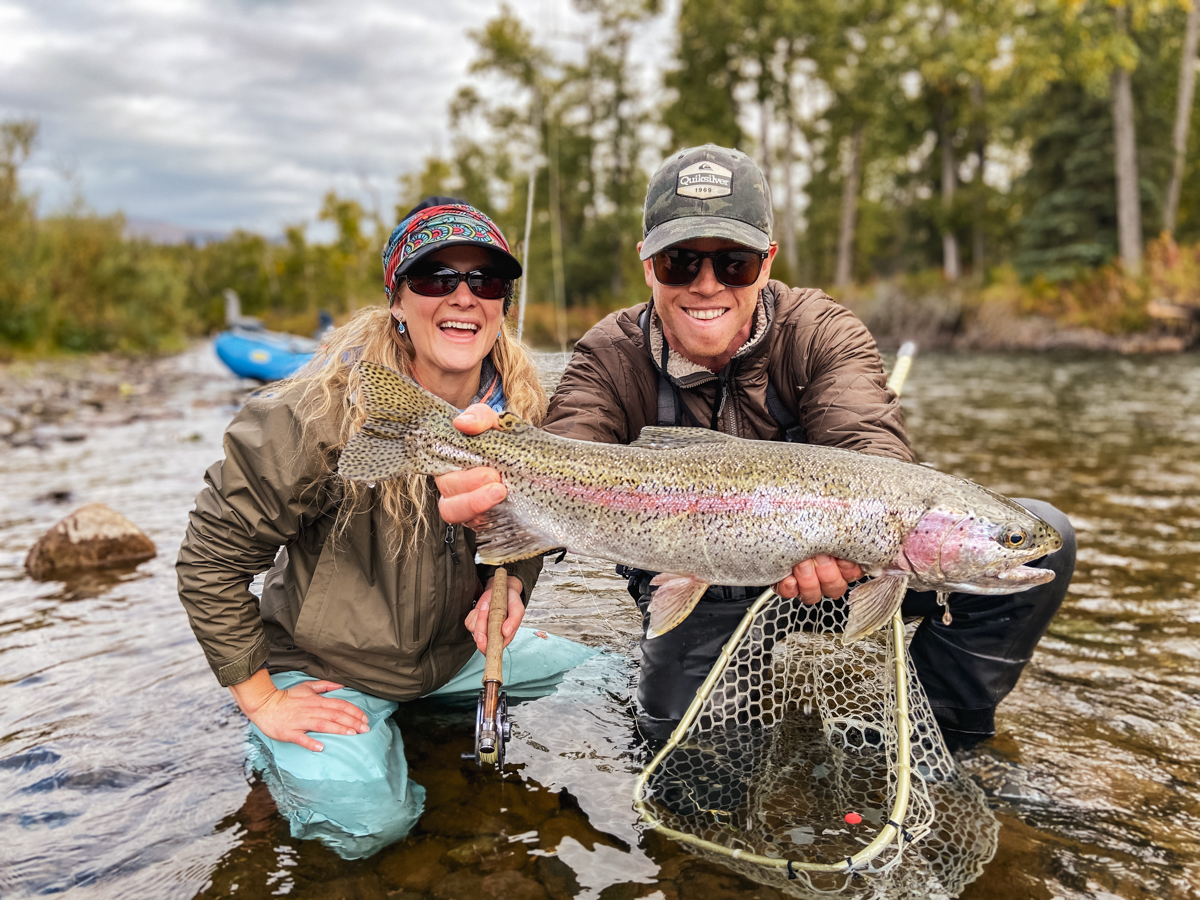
[791,732]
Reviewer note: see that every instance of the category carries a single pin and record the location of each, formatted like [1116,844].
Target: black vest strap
[792,433]
[670,403]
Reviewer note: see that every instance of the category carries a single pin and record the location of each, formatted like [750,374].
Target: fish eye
[1014,539]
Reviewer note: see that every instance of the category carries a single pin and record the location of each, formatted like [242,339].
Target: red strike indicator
[853,818]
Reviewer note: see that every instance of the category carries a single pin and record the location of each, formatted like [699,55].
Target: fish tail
[407,429]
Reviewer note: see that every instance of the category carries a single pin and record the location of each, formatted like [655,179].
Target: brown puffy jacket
[821,360]
[336,606]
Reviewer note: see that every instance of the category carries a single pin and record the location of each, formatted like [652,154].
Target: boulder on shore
[92,537]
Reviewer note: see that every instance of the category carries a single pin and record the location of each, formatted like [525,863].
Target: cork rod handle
[494,666]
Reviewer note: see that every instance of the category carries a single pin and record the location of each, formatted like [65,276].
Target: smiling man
[721,345]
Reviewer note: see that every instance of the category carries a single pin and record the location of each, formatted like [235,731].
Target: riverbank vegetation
[1018,173]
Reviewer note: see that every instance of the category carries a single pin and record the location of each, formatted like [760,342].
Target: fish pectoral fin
[503,539]
[873,604]
[661,437]
[675,598]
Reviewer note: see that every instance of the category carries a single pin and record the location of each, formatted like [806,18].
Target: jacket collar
[688,374]
[491,386]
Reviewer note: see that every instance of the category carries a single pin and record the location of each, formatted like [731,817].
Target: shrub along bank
[72,282]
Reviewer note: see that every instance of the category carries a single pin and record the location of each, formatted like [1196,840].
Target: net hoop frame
[903,767]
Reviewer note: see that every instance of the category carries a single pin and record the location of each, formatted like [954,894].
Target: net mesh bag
[791,732]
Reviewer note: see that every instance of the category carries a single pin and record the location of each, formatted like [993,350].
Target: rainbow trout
[705,508]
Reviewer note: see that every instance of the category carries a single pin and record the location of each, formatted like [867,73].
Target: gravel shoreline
[64,398]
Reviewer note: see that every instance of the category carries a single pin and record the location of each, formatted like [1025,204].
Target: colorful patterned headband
[422,231]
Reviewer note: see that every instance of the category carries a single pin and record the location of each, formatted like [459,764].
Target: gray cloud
[220,113]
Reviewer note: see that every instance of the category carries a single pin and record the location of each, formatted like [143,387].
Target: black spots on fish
[510,421]
[386,390]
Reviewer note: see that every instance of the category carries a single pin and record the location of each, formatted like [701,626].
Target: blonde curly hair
[331,381]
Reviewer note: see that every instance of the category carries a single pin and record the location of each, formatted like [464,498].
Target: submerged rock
[511,886]
[92,537]
[476,849]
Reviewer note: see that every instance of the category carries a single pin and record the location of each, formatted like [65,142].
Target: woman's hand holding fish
[821,576]
[477,618]
[468,493]
[288,715]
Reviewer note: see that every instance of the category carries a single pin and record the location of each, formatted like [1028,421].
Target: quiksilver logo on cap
[704,181]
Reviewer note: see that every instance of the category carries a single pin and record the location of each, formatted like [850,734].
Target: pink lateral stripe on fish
[706,508]
[676,503]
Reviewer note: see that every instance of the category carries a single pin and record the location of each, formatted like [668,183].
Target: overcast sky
[242,113]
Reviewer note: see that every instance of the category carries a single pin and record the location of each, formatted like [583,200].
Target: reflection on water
[121,760]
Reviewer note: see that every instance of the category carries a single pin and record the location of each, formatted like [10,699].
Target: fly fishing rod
[904,361]
[492,728]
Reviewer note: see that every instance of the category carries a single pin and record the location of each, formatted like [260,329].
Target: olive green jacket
[339,606]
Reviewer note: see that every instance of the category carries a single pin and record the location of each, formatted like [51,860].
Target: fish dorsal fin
[659,437]
[511,422]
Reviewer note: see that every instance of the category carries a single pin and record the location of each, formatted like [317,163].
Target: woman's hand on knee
[468,493]
[477,618]
[289,714]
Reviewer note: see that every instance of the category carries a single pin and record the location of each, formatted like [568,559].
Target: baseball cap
[433,228]
[707,192]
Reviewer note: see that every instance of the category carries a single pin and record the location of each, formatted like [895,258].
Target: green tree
[706,75]
[71,281]
[19,319]
[1080,173]
[581,127]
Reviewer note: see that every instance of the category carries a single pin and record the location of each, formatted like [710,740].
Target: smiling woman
[371,599]
[453,310]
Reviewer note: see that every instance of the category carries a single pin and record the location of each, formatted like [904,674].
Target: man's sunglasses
[676,267]
[484,284]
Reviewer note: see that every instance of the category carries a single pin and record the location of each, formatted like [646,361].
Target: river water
[122,765]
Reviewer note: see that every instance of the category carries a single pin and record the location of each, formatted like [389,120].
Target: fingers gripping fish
[706,508]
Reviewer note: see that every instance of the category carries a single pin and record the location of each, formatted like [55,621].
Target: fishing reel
[492,728]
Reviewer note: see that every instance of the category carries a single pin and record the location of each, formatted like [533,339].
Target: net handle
[903,762]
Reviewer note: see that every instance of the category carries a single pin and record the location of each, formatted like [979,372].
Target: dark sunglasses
[441,282]
[676,267]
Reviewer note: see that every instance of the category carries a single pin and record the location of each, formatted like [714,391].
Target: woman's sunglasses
[441,282]
[734,268]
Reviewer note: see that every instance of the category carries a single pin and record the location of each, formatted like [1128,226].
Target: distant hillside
[166,234]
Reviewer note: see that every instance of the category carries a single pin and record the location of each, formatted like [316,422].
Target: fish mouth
[1005,581]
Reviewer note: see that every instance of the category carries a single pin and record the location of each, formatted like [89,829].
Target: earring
[400,326]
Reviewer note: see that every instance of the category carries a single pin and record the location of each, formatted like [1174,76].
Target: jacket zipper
[731,416]
[450,541]
[417,601]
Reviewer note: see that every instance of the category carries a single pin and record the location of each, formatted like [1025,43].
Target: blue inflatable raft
[251,351]
[261,354]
